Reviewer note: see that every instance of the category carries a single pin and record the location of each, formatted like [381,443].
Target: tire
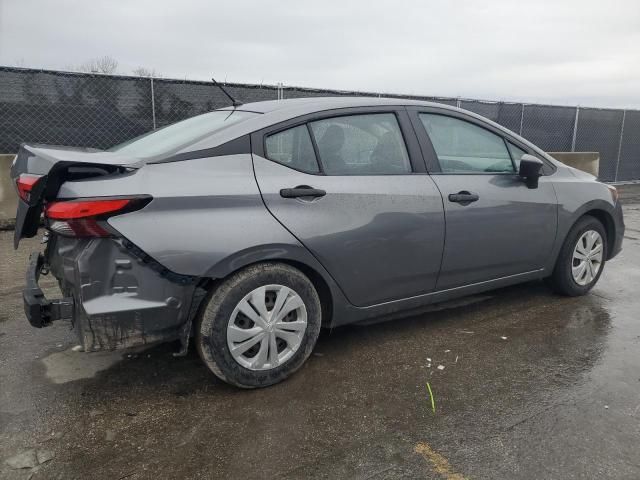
[562,280]
[223,324]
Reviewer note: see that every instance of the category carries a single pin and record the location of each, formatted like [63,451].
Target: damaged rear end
[115,295]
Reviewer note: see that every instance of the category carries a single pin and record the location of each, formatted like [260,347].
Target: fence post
[521,119]
[458,102]
[575,129]
[624,115]
[153,104]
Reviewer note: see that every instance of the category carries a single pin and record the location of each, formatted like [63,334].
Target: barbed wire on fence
[99,111]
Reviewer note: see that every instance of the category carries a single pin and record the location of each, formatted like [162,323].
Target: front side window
[369,144]
[292,148]
[463,147]
[516,154]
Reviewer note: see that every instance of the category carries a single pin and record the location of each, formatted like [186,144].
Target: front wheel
[260,325]
[581,259]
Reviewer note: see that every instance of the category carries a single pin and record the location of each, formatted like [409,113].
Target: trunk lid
[48,167]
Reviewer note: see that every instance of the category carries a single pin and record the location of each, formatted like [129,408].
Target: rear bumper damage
[113,298]
[39,311]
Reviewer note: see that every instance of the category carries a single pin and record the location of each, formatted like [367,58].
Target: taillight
[84,208]
[25,183]
[87,217]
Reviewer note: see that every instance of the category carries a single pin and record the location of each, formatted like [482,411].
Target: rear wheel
[581,259]
[260,325]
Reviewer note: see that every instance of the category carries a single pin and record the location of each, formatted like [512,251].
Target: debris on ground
[29,458]
[44,456]
[433,401]
[26,459]
[78,348]
[504,338]
[440,367]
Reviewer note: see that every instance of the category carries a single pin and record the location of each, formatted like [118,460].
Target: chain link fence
[99,111]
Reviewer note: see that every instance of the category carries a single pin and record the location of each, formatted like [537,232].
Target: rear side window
[463,147]
[292,148]
[370,144]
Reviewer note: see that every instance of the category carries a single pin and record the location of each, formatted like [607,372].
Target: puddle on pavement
[68,366]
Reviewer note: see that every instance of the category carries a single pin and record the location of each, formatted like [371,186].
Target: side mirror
[530,167]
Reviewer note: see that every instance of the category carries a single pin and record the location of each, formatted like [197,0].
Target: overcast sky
[562,52]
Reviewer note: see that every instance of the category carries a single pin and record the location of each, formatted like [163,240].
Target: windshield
[174,137]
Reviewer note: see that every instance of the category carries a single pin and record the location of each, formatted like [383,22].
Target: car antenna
[234,102]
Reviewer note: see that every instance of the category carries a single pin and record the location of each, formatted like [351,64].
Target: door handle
[302,191]
[463,197]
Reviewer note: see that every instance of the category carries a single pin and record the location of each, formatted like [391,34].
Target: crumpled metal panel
[120,301]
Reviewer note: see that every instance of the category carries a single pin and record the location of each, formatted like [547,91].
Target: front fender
[576,199]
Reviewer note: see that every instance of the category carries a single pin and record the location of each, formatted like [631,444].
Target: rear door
[351,186]
[495,225]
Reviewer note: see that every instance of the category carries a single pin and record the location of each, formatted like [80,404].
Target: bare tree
[104,64]
[145,72]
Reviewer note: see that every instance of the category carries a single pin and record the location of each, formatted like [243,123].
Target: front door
[347,188]
[495,226]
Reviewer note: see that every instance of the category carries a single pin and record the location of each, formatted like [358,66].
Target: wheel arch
[331,296]
[321,286]
[569,215]
[607,221]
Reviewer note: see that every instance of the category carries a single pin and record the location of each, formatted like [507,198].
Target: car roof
[271,112]
[318,104]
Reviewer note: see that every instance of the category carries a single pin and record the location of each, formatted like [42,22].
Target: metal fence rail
[93,110]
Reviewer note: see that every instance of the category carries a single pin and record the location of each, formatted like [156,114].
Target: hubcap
[266,327]
[587,257]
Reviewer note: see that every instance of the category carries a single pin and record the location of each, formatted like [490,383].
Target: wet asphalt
[534,385]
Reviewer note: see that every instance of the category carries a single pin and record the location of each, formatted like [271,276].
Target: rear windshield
[175,137]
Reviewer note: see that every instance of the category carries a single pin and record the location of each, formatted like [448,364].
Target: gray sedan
[247,229]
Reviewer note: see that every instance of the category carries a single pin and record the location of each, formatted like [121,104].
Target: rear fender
[262,253]
[334,300]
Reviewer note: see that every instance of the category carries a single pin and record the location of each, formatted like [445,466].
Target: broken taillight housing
[25,183]
[86,217]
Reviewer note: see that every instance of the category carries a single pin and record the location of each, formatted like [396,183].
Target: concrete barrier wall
[8,196]
[586,161]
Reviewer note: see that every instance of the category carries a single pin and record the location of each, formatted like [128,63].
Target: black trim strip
[314,144]
[237,146]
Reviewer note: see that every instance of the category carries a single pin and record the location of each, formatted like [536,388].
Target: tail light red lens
[25,184]
[87,217]
[84,208]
